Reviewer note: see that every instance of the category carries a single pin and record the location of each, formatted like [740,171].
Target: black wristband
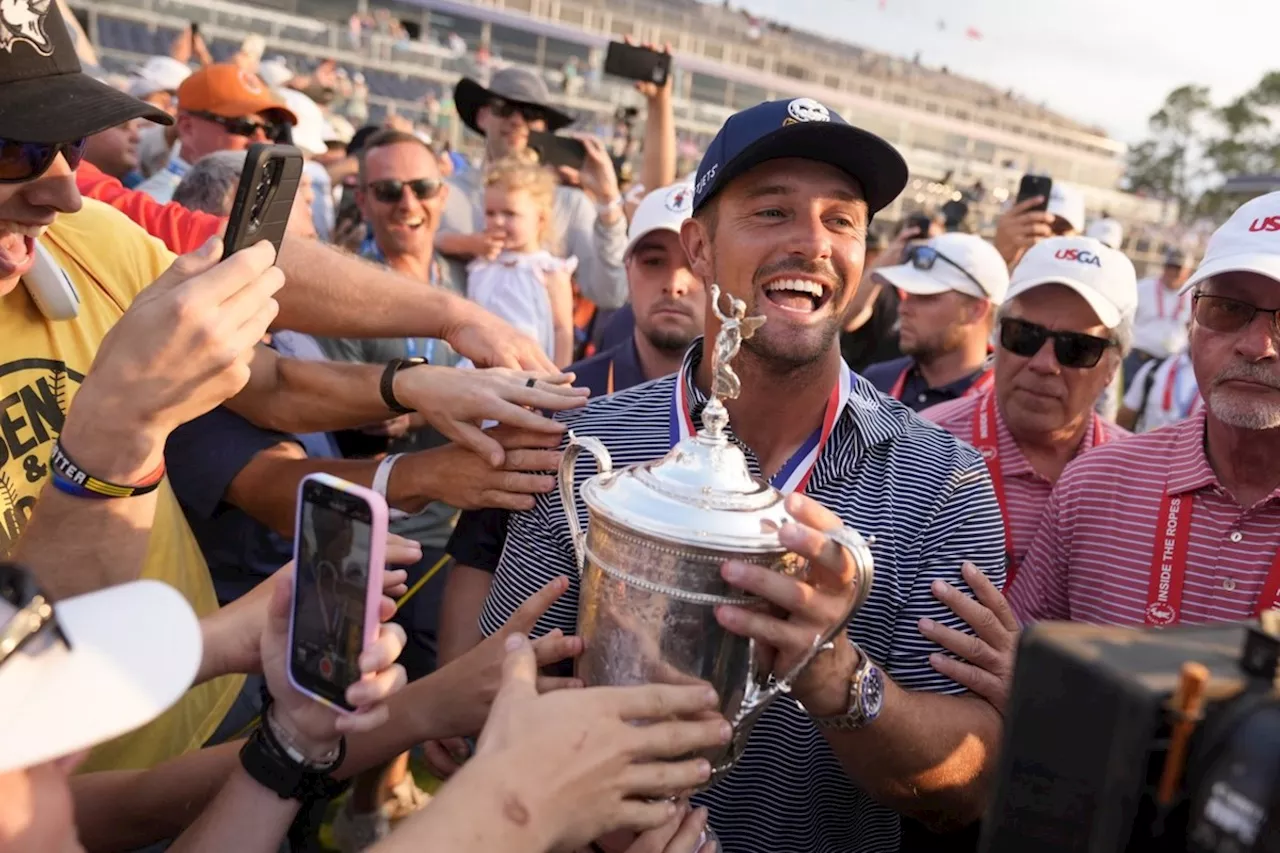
[387,386]
[270,765]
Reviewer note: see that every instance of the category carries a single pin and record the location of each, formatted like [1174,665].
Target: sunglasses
[1072,349]
[247,128]
[34,611]
[529,112]
[1223,314]
[26,161]
[924,258]
[391,191]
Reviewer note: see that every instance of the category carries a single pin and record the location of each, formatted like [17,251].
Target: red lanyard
[987,442]
[1169,565]
[1182,299]
[982,384]
[1170,388]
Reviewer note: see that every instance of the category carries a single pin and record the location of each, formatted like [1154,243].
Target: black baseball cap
[45,96]
[800,127]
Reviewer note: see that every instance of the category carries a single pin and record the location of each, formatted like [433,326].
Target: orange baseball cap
[225,90]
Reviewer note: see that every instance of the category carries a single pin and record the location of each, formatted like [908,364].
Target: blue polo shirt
[916,393]
[612,370]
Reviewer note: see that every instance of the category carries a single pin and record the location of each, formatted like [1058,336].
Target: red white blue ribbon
[794,475]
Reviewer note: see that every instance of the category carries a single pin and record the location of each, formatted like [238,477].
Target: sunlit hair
[523,172]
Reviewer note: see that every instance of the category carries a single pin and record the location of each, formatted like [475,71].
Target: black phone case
[637,63]
[1032,186]
[558,150]
[264,198]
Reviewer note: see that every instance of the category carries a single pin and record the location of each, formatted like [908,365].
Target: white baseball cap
[275,72]
[1104,277]
[664,209]
[1067,202]
[975,269]
[158,74]
[308,133]
[132,650]
[1108,232]
[1247,242]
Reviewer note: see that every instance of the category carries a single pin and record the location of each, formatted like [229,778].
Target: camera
[1162,739]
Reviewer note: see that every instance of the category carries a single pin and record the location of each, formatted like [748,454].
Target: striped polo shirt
[1026,492]
[925,497]
[1102,520]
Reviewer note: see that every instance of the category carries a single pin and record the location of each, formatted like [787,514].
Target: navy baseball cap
[800,127]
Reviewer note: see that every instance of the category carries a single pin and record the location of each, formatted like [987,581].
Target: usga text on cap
[1078,256]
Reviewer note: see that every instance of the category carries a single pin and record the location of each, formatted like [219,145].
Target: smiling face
[25,211]
[1238,371]
[407,225]
[787,238]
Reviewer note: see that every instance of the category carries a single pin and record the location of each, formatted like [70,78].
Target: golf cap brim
[1107,312]
[907,278]
[67,107]
[1255,262]
[875,164]
[134,651]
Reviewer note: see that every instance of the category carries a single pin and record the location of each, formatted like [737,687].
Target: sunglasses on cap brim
[25,161]
[33,611]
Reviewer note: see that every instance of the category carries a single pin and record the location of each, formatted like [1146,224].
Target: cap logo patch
[250,82]
[22,21]
[679,200]
[1078,256]
[706,178]
[807,109]
[1269,223]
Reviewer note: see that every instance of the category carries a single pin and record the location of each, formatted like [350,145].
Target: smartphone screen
[556,150]
[331,591]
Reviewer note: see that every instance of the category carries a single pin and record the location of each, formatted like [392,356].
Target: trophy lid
[701,493]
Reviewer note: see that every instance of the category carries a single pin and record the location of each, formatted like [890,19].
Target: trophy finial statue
[735,327]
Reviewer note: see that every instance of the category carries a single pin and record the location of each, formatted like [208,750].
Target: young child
[525,284]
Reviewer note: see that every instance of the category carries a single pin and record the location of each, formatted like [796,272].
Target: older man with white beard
[1180,524]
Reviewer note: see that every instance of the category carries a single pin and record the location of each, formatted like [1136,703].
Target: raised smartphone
[556,150]
[632,62]
[264,198]
[1035,185]
[338,551]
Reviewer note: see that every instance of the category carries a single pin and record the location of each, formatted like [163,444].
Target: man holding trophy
[723,537]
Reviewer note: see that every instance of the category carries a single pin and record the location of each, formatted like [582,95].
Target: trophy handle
[758,696]
[568,462]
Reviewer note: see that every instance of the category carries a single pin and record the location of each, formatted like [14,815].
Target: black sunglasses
[925,257]
[506,109]
[1072,349]
[34,611]
[241,126]
[1224,314]
[26,161]
[391,191]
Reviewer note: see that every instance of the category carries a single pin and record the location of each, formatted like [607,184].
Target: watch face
[872,694]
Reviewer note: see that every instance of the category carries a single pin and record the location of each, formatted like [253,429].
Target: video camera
[1141,740]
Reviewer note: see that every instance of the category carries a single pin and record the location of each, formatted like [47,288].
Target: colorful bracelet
[69,478]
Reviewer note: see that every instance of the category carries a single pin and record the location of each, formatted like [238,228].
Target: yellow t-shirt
[42,363]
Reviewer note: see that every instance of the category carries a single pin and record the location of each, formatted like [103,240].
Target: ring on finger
[530,382]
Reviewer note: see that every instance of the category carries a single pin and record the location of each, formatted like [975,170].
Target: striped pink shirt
[1026,492]
[1091,560]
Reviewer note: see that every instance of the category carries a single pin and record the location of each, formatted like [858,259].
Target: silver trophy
[650,559]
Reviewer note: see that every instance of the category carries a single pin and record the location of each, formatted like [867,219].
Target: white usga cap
[1247,242]
[966,264]
[133,651]
[664,209]
[1108,232]
[1104,277]
[1067,203]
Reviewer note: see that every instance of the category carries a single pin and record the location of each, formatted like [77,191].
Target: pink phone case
[377,561]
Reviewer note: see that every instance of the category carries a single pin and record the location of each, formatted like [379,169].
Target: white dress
[511,286]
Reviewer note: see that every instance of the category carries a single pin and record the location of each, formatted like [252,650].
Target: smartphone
[339,548]
[922,222]
[50,288]
[1035,185]
[637,63]
[195,28]
[264,198]
[558,150]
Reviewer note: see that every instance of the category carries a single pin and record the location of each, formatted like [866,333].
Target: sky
[1108,63]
